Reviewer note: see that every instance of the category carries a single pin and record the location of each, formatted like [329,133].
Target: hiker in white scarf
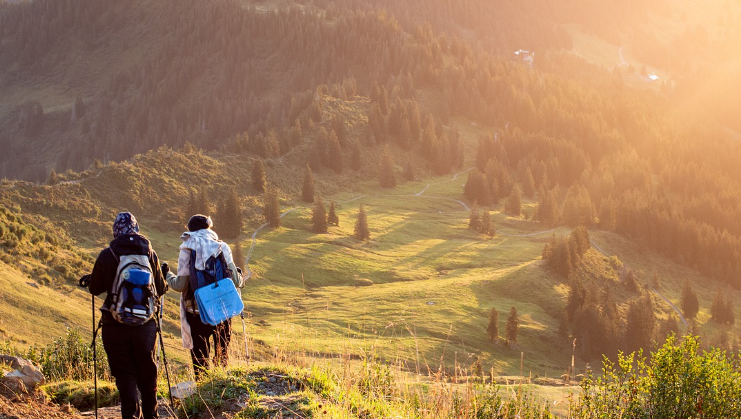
[205,242]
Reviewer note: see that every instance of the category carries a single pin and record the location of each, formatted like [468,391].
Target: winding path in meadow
[420,194]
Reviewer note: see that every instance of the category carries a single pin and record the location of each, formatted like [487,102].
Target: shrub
[678,382]
[70,357]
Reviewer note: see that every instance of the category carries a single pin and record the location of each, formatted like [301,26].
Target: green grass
[31,314]
[419,291]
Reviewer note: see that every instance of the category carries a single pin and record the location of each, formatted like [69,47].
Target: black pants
[131,356]
[202,335]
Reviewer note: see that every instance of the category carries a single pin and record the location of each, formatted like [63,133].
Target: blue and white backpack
[132,299]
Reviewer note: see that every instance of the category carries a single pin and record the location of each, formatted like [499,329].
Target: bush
[70,357]
[678,382]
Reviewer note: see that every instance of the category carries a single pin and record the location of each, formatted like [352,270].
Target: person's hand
[85,280]
[165,269]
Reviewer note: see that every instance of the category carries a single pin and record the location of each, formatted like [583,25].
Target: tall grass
[69,357]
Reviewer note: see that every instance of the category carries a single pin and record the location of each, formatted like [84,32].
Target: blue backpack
[214,270]
[132,300]
[213,290]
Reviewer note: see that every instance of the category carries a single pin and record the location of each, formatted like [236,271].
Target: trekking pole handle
[165,268]
[85,280]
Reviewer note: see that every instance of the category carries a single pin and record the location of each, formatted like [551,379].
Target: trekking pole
[244,328]
[95,359]
[84,282]
[244,337]
[164,357]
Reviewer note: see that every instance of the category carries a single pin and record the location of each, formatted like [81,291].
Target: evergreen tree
[335,153]
[53,178]
[577,207]
[560,254]
[576,298]
[203,204]
[405,134]
[271,210]
[493,328]
[361,225]
[356,158]
[474,220]
[307,191]
[688,302]
[513,324]
[192,207]
[580,241]
[486,225]
[229,216]
[529,184]
[514,202]
[409,172]
[668,327]
[386,171]
[640,324]
[477,188]
[259,180]
[548,208]
[415,124]
[721,311]
[319,216]
[332,218]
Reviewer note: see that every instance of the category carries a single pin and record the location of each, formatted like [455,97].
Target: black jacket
[104,271]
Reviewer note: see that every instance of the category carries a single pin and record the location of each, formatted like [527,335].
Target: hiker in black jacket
[130,349]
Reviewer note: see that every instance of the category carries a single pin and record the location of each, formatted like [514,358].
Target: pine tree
[486,224]
[580,241]
[513,324]
[386,176]
[547,211]
[361,225]
[529,184]
[335,153]
[640,324]
[203,205]
[192,208]
[688,302]
[668,327]
[409,172]
[477,188]
[474,220]
[577,207]
[721,311]
[53,179]
[514,202]
[230,216]
[271,210]
[493,328]
[356,158]
[259,180]
[319,217]
[307,191]
[332,218]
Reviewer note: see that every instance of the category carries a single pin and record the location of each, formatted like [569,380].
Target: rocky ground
[22,406]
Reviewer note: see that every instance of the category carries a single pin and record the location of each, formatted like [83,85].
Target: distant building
[526,56]
[653,77]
